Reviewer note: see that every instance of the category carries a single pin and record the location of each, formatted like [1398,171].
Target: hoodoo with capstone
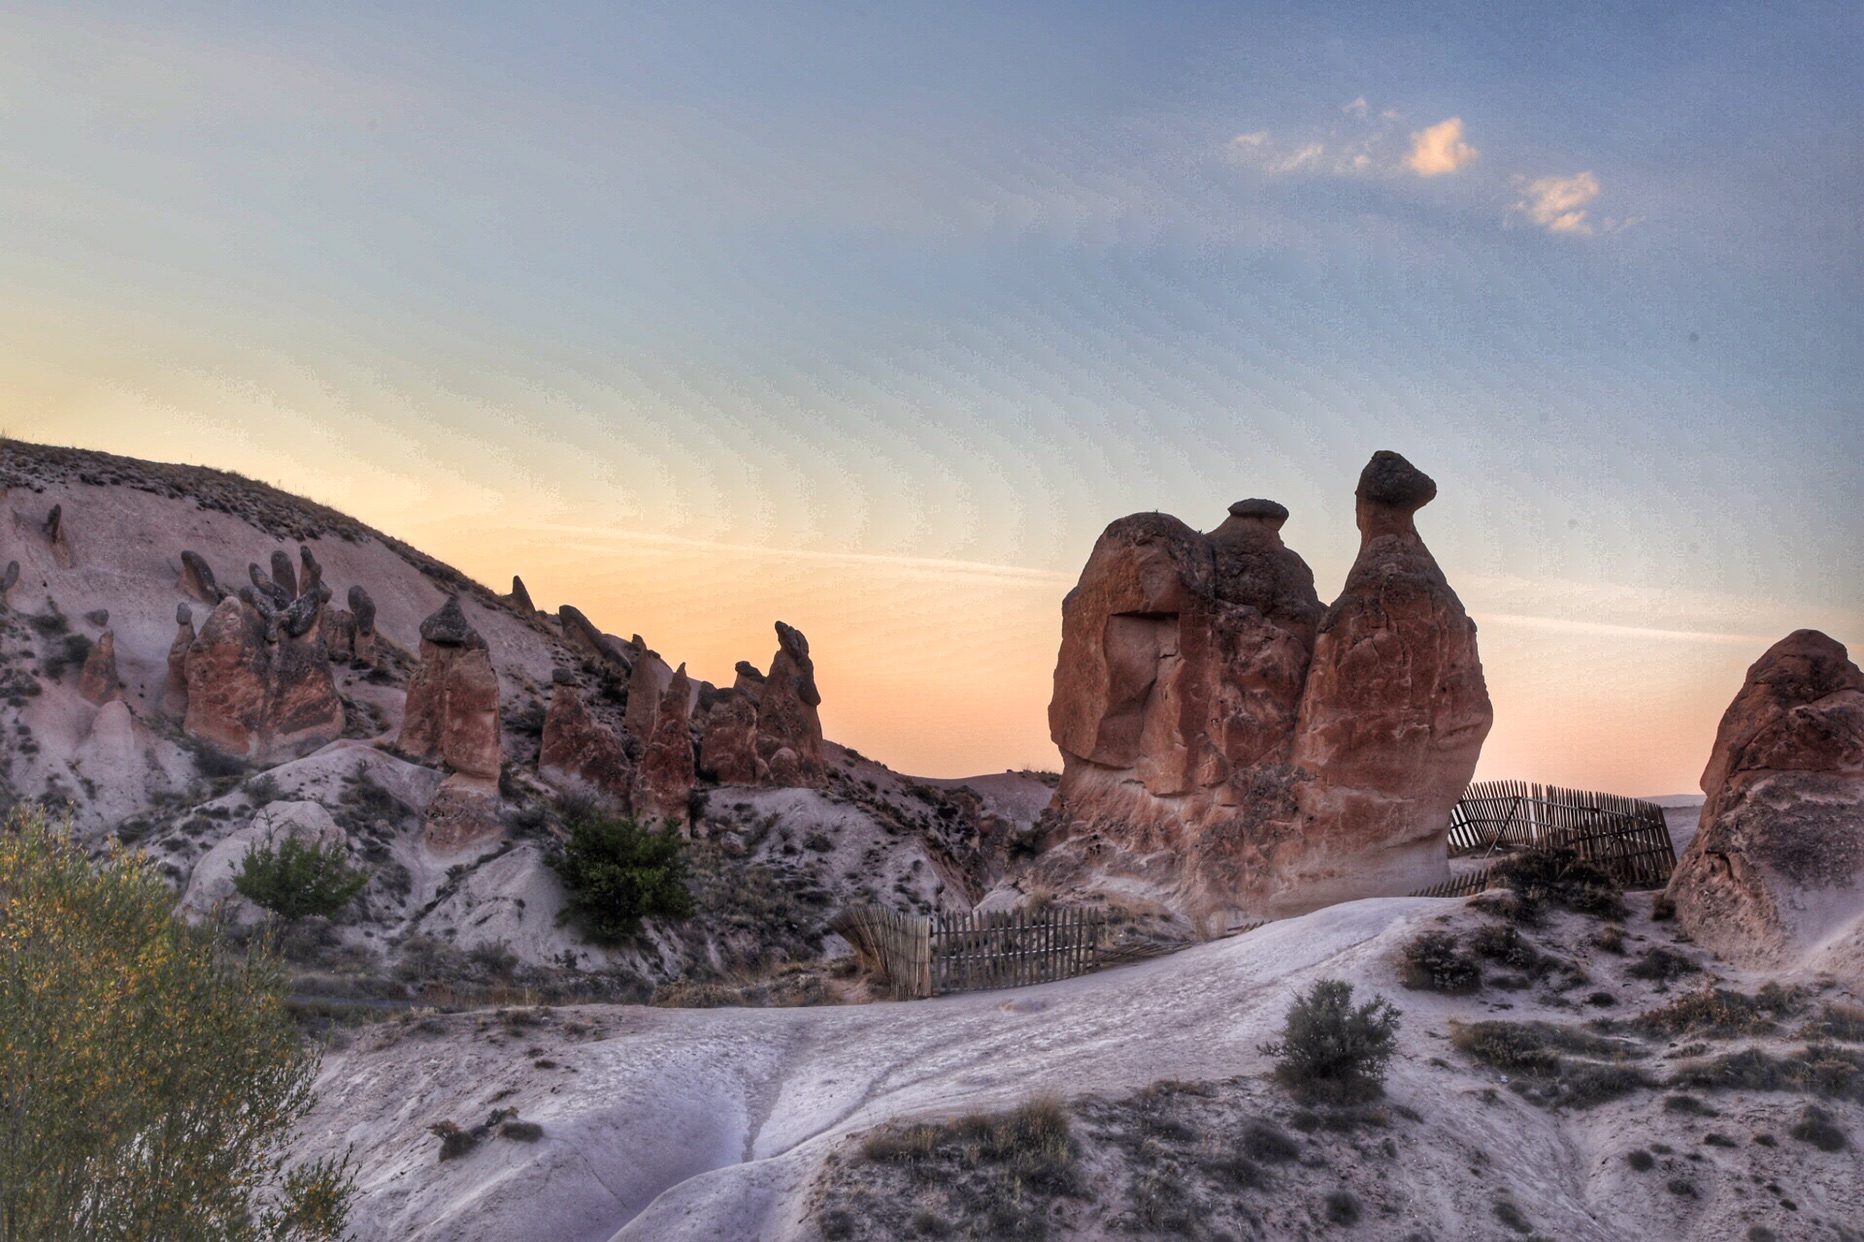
[1203,701]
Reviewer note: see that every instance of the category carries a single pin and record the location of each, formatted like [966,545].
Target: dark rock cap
[1391,481]
[448,627]
[1259,508]
[184,615]
[562,677]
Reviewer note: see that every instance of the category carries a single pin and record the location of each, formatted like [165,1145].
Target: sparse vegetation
[1660,965]
[618,873]
[1819,1069]
[1539,879]
[1815,1126]
[1435,962]
[1332,1050]
[174,1026]
[1554,1064]
[294,880]
[1720,1013]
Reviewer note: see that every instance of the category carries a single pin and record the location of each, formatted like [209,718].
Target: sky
[871,317]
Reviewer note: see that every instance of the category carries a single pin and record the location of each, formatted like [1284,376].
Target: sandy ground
[688,1125]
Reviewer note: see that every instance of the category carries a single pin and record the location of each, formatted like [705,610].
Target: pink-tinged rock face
[175,689]
[786,715]
[451,714]
[663,782]
[98,683]
[1213,724]
[647,681]
[1776,868]
[254,689]
[579,751]
[728,746]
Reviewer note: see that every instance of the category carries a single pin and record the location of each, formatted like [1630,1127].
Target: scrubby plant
[294,880]
[619,872]
[1554,1064]
[1539,879]
[1331,1049]
[1661,965]
[1435,962]
[165,1113]
[1815,1126]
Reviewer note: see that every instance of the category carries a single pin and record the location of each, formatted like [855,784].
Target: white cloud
[1440,149]
[1558,204]
[1357,108]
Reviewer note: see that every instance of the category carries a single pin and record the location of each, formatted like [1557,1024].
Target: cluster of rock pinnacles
[1226,735]
[257,680]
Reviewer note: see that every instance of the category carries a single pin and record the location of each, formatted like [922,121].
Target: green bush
[150,1077]
[619,872]
[296,880]
[1331,1050]
[1434,962]
[1538,879]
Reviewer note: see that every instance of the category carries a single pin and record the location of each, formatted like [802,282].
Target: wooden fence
[1624,836]
[916,956]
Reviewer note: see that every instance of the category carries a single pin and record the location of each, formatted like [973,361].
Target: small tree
[1333,1051]
[619,872]
[149,1077]
[295,879]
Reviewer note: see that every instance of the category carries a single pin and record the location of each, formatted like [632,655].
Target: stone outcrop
[664,779]
[580,635]
[1395,709]
[175,688]
[647,681]
[59,537]
[464,813]
[362,613]
[1775,873]
[451,714]
[728,747]
[1238,746]
[789,732]
[579,751]
[520,598]
[284,577]
[197,579]
[98,683]
[259,686]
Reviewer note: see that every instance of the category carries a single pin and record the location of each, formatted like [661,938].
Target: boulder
[728,742]
[664,779]
[520,598]
[98,683]
[255,691]
[175,688]
[451,714]
[579,751]
[1393,715]
[786,714]
[1774,877]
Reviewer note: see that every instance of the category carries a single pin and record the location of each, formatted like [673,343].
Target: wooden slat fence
[1624,836]
[915,956]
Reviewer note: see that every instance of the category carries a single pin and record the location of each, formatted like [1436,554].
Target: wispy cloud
[1558,204]
[1364,144]
[1440,149]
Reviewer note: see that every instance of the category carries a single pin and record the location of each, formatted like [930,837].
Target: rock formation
[258,682]
[175,689]
[647,681]
[1394,713]
[728,748]
[1775,872]
[8,579]
[98,683]
[197,579]
[1239,747]
[283,576]
[578,751]
[521,598]
[362,611]
[663,782]
[58,536]
[452,708]
[789,732]
[580,634]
